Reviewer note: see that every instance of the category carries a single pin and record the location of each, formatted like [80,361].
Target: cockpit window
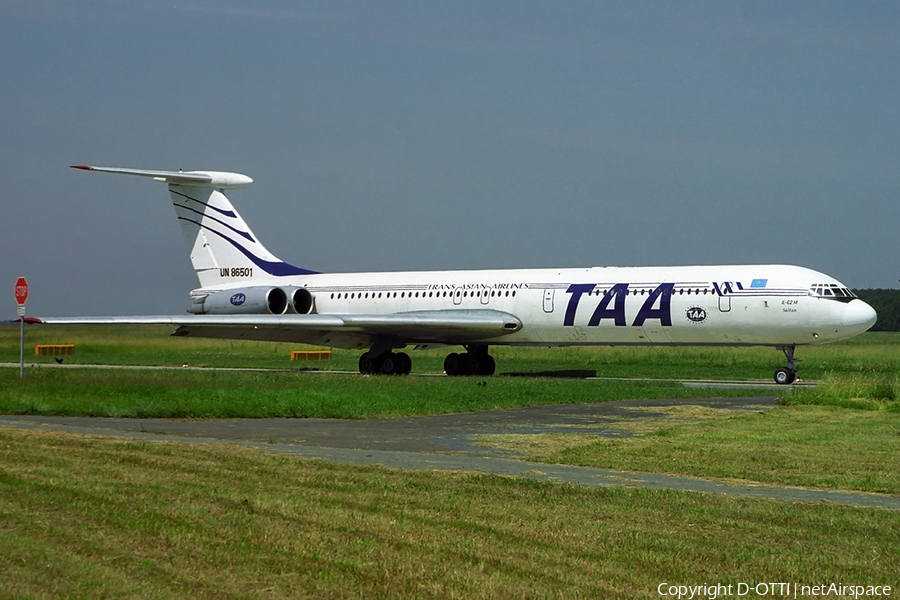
[831,291]
[843,292]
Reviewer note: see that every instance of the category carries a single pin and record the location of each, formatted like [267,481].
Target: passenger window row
[444,294]
[648,291]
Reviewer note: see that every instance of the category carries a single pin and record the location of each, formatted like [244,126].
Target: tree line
[886,303]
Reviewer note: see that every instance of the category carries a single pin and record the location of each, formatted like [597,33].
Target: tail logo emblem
[238,299]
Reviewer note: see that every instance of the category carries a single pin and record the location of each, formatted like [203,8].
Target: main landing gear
[787,375]
[475,361]
[388,363]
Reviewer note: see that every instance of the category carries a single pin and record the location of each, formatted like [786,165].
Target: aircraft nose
[857,316]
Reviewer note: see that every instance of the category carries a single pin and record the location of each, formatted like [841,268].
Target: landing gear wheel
[366,364]
[486,365]
[396,364]
[785,376]
[453,364]
[470,364]
[369,364]
[404,363]
[474,362]
[390,366]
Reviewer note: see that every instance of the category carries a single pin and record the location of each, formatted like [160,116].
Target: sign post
[21,297]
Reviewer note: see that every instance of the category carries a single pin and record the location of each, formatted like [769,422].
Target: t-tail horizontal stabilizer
[213,179]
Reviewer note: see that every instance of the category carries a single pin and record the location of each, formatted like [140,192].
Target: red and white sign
[21,290]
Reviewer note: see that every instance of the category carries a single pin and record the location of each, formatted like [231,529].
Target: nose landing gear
[787,375]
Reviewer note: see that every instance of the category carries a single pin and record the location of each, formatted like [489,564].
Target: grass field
[808,446]
[862,356]
[211,394]
[90,517]
[87,517]
[865,367]
[293,393]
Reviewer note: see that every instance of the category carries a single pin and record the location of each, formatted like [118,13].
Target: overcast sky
[445,135]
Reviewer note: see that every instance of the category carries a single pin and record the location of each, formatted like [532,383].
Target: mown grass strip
[814,446]
[872,360]
[86,517]
[867,355]
[211,394]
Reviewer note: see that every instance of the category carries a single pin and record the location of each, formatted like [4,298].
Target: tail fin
[222,247]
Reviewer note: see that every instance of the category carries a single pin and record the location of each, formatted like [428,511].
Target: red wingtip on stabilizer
[83,167]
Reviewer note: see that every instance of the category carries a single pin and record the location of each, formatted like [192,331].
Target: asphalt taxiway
[456,442]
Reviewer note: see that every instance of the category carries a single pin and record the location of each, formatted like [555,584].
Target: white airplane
[248,293]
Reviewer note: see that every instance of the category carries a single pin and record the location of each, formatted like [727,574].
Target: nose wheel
[787,375]
[784,376]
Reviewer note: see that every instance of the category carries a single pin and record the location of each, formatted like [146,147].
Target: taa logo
[657,305]
[238,299]
[695,314]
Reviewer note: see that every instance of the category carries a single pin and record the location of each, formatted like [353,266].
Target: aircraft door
[548,300]
[723,290]
[485,295]
[457,297]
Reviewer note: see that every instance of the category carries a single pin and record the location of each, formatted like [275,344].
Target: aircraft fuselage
[771,305]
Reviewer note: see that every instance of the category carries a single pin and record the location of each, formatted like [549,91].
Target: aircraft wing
[342,331]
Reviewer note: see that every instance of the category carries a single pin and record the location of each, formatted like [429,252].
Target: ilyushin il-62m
[247,293]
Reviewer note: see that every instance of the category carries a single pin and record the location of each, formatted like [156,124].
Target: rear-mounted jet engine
[258,300]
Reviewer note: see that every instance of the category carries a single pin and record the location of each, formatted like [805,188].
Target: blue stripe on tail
[278,269]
